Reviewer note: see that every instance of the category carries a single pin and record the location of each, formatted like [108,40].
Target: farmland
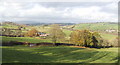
[59,33]
[109,37]
[59,54]
[24,39]
[97,26]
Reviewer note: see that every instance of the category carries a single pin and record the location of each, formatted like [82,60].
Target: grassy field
[42,28]
[67,32]
[96,26]
[9,26]
[58,54]
[109,37]
[24,39]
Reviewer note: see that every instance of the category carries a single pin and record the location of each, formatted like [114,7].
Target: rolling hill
[97,26]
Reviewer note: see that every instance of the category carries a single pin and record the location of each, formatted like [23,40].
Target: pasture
[96,26]
[58,54]
[24,39]
[109,37]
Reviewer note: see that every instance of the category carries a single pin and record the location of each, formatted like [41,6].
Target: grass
[96,26]
[42,29]
[109,37]
[58,54]
[24,39]
[67,32]
[9,26]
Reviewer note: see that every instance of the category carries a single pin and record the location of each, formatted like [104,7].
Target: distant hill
[97,26]
[8,24]
[62,24]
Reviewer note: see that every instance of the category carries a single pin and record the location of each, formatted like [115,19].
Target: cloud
[60,0]
[112,6]
[44,13]
[92,13]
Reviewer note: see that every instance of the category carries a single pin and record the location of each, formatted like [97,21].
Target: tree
[56,34]
[97,39]
[115,42]
[74,37]
[82,38]
[19,27]
[7,31]
[86,38]
[18,33]
[31,33]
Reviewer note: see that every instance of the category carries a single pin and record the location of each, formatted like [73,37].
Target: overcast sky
[58,12]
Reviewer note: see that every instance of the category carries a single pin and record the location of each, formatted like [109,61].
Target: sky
[58,12]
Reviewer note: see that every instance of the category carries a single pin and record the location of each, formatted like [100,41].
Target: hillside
[12,25]
[108,30]
[19,49]
[67,29]
[97,26]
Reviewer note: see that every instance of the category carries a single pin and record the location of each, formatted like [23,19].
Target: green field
[24,39]
[58,54]
[109,37]
[9,26]
[96,26]
[67,32]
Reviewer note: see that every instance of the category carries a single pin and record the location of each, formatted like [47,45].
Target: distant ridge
[12,23]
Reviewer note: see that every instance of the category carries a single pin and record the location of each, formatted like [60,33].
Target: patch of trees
[33,32]
[87,39]
[11,32]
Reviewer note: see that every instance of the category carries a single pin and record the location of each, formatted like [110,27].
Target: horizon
[56,22]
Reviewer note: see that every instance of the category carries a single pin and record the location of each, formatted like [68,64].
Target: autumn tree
[82,38]
[74,38]
[85,38]
[31,33]
[97,39]
[56,34]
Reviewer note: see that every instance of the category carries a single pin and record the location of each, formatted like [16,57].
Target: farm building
[111,30]
[42,34]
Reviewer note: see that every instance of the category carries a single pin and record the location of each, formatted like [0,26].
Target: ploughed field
[58,54]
